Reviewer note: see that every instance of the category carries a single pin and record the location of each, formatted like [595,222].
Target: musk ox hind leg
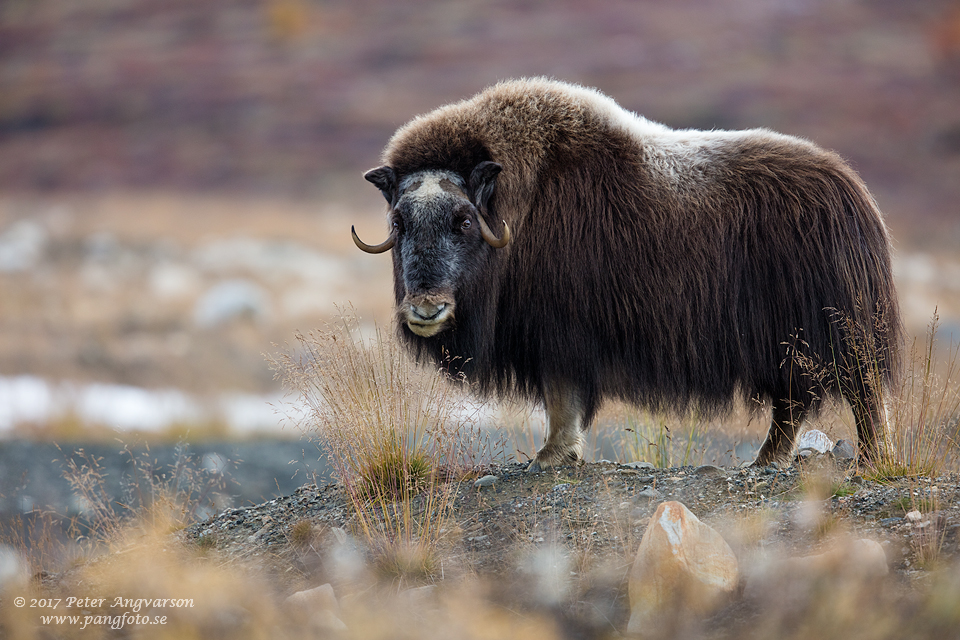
[565,419]
[870,415]
[784,424]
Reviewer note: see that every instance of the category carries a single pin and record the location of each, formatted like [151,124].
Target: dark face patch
[450,187]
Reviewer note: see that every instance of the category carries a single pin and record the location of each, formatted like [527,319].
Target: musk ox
[562,249]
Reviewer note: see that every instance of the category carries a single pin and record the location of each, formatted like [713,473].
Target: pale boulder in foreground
[790,584]
[318,607]
[681,564]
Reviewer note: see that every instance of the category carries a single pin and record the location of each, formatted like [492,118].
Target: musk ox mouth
[427,316]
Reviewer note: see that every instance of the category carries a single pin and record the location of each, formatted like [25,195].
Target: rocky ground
[579,527]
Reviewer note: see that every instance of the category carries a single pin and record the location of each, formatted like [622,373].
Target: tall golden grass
[921,438]
[395,435]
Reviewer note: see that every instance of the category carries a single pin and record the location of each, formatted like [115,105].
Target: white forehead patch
[426,187]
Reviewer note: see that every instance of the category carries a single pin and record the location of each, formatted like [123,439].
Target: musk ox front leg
[564,441]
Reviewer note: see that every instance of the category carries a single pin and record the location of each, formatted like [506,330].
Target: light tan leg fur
[564,442]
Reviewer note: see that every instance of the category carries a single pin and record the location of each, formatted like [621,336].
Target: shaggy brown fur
[671,269]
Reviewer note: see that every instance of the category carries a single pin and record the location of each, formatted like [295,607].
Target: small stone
[887,522]
[709,470]
[681,564]
[639,465]
[649,493]
[914,516]
[843,450]
[486,481]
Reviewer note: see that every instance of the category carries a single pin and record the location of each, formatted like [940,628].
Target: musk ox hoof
[762,462]
[546,459]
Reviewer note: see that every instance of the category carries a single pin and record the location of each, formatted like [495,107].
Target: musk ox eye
[465,224]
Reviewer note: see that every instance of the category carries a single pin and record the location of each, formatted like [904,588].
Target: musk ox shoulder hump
[522,121]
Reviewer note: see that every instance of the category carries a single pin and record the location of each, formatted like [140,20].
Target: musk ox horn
[380,248]
[492,240]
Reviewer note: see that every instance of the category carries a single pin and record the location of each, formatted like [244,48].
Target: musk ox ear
[385,179]
[483,182]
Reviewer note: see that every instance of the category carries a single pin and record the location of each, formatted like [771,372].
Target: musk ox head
[440,239]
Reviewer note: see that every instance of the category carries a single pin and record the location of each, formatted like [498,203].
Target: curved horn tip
[505,240]
[366,248]
[492,240]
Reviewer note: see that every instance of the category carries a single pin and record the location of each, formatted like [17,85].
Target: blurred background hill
[283,95]
[178,177]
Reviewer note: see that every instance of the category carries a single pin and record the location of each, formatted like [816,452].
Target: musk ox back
[559,248]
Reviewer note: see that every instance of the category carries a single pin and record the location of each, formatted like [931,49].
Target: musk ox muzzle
[427,315]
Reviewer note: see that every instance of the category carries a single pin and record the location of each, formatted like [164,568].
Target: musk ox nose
[426,312]
[427,315]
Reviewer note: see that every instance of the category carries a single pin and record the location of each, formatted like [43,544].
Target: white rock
[229,300]
[22,246]
[681,565]
[14,570]
[816,440]
[548,567]
[171,280]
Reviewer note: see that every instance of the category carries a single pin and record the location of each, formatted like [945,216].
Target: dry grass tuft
[921,438]
[648,437]
[394,434]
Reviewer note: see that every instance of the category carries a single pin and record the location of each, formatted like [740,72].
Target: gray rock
[709,470]
[639,465]
[649,493]
[486,481]
[844,450]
